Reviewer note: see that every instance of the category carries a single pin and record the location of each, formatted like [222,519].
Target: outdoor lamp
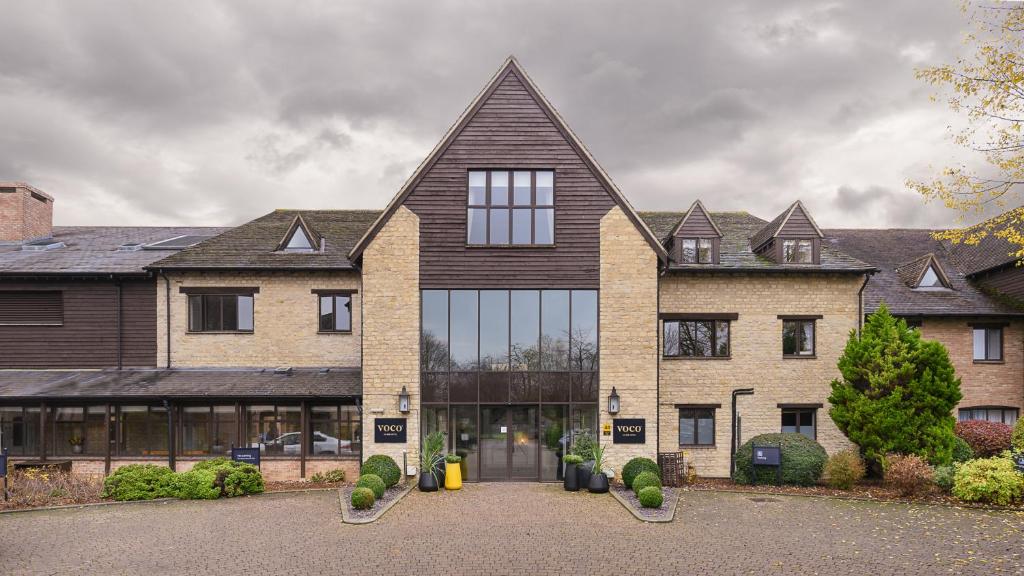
[613,402]
[403,401]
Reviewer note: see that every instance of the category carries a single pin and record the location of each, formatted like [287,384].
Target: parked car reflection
[289,445]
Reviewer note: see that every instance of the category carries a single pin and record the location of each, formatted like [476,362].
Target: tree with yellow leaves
[987,86]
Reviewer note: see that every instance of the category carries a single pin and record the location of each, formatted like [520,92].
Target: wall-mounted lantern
[403,401]
[613,402]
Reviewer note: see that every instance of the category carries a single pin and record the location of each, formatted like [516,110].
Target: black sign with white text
[629,431]
[389,430]
[767,455]
[246,455]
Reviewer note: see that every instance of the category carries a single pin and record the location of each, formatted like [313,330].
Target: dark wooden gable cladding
[510,130]
[696,223]
[793,224]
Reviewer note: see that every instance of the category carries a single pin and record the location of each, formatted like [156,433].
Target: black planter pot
[583,473]
[571,481]
[598,483]
[428,483]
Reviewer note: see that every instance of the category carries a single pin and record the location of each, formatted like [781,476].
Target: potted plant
[429,455]
[598,480]
[76,444]
[571,480]
[583,446]
[435,444]
[452,472]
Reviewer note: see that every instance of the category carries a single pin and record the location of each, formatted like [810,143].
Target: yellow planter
[452,476]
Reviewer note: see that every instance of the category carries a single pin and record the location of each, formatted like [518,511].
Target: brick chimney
[26,213]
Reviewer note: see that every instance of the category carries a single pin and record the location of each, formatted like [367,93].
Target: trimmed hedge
[637,465]
[645,480]
[650,497]
[985,438]
[374,483]
[362,498]
[383,467]
[139,482]
[991,480]
[233,478]
[195,485]
[962,451]
[803,460]
[207,480]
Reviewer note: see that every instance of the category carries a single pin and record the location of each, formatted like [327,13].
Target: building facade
[504,297]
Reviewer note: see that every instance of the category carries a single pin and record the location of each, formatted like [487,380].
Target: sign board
[767,456]
[246,455]
[629,431]
[389,430]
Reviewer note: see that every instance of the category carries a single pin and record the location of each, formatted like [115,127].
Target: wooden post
[108,426]
[304,437]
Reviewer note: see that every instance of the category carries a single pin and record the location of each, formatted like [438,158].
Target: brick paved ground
[513,528]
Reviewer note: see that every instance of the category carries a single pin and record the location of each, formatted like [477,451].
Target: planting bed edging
[344,497]
[670,502]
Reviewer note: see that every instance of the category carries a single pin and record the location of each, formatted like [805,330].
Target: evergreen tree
[897,392]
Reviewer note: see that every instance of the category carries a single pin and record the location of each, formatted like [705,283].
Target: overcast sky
[212,113]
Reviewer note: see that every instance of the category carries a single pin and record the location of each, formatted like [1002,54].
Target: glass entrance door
[509,443]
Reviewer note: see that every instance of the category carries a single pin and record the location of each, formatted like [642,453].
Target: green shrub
[362,498]
[802,461]
[383,467]
[644,480]
[139,482]
[583,446]
[195,485]
[650,497]
[991,480]
[330,477]
[452,458]
[944,478]
[213,463]
[233,478]
[844,469]
[962,451]
[909,474]
[1017,438]
[572,459]
[374,483]
[637,465]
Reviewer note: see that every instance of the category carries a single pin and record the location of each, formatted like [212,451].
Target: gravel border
[664,513]
[391,496]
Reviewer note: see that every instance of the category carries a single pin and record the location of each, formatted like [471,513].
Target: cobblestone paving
[523,529]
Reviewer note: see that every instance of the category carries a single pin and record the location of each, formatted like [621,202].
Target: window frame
[813,320]
[987,328]
[697,240]
[510,206]
[203,305]
[333,295]
[989,408]
[798,410]
[696,409]
[797,241]
[714,338]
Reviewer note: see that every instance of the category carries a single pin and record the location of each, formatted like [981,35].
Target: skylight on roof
[42,245]
[176,243]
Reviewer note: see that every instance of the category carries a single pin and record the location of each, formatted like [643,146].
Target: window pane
[979,343]
[521,226]
[806,419]
[326,312]
[671,330]
[212,313]
[790,338]
[224,430]
[789,422]
[245,304]
[930,279]
[494,387]
[230,311]
[554,330]
[584,387]
[143,431]
[19,430]
[343,317]
[721,338]
[494,330]
[499,188]
[525,387]
[68,429]
[477,188]
[499,226]
[805,252]
[195,431]
[521,190]
[464,329]
[807,339]
[195,313]
[544,226]
[299,242]
[525,329]
[695,338]
[994,344]
[554,387]
[583,336]
[435,388]
[689,250]
[789,251]
[545,188]
[687,428]
[706,427]
[434,335]
[476,226]
[462,387]
[704,251]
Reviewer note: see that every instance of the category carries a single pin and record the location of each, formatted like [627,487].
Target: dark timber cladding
[511,131]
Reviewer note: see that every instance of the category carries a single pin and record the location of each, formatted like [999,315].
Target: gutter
[167,314]
[860,303]
[120,323]
[732,440]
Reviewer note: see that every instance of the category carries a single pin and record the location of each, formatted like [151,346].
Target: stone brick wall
[391,331]
[23,217]
[629,333]
[272,470]
[285,323]
[982,384]
[756,360]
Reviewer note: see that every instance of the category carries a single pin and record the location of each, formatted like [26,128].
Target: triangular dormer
[696,239]
[300,238]
[792,237]
[924,273]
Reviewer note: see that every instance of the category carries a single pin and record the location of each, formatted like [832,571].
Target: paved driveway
[513,529]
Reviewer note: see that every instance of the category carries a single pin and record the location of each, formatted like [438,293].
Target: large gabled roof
[510,66]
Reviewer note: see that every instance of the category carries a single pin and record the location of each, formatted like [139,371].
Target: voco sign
[629,431]
[389,430]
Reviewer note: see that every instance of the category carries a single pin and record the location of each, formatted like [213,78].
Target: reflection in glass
[583,351]
[464,329]
[521,189]
[671,338]
[493,443]
[553,429]
[499,188]
[499,226]
[554,343]
[494,387]
[275,430]
[434,335]
[525,387]
[335,430]
[494,329]
[435,387]
[521,226]
[462,386]
[477,188]
[554,387]
[544,226]
[525,441]
[545,188]
[465,440]
[19,430]
[525,329]
[143,431]
[476,226]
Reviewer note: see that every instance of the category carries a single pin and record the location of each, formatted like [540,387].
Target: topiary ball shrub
[139,482]
[195,485]
[844,469]
[803,460]
[650,497]
[985,438]
[944,478]
[962,450]
[909,474]
[989,480]
[374,483]
[645,480]
[383,467]
[362,499]
[572,459]
[637,465]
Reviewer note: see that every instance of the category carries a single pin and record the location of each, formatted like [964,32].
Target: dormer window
[696,250]
[924,273]
[511,208]
[930,279]
[299,242]
[300,238]
[798,251]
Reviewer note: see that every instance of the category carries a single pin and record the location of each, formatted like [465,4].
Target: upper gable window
[798,251]
[511,207]
[299,242]
[696,251]
[930,279]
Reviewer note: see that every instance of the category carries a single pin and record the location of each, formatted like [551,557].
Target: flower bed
[36,488]
[661,513]
[355,515]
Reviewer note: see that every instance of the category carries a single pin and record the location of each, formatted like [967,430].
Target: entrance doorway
[509,443]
